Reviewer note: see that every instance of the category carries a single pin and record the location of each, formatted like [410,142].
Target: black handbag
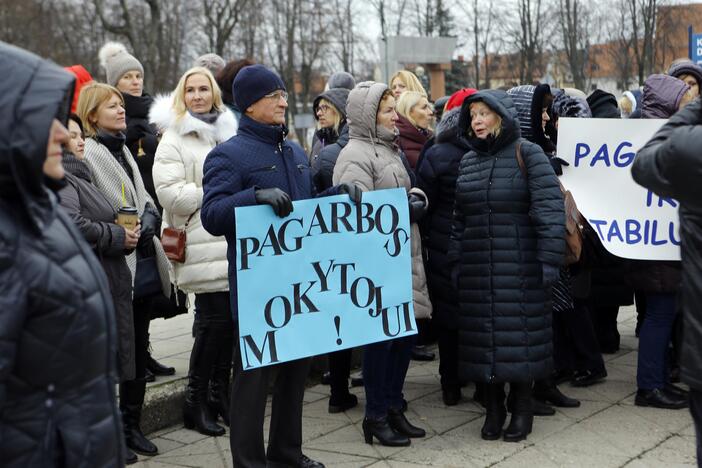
[147,281]
[163,307]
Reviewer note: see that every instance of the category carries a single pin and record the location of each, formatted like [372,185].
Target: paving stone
[435,451]
[529,457]
[586,409]
[634,433]
[438,420]
[577,446]
[333,459]
[313,428]
[626,358]
[468,441]
[165,445]
[674,452]
[145,462]
[671,421]
[184,436]
[349,440]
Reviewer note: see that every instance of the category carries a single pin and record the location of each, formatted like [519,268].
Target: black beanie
[252,83]
[603,105]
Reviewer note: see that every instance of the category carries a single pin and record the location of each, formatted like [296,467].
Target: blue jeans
[652,370]
[385,366]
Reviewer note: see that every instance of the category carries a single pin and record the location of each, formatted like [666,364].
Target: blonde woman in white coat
[194,120]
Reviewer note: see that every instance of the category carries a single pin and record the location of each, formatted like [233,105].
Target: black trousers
[696,411]
[448,357]
[575,345]
[340,370]
[605,321]
[248,406]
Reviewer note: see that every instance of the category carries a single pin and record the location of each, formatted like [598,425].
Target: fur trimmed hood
[163,117]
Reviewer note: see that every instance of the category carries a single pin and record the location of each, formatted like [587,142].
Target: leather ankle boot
[496,413]
[219,396]
[546,391]
[381,430]
[131,401]
[398,421]
[196,414]
[522,415]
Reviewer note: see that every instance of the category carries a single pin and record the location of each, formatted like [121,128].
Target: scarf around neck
[207,117]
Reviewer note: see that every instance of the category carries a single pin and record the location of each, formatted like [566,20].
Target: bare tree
[621,44]
[575,21]
[643,22]
[343,28]
[220,17]
[528,36]
[155,31]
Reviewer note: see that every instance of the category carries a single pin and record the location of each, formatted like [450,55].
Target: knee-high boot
[196,414]
[131,401]
[522,414]
[496,413]
[219,396]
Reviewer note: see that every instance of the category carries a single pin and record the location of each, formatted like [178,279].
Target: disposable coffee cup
[128,217]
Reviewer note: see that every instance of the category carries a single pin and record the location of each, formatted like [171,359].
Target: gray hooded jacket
[373,162]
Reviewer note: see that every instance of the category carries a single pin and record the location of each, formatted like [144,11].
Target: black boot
[219,396]
[131,401]
[522,415]
[157,368]
[196,414]
[130,457]
[496,413]
[546,391]
[381,430]
[399,423]
[538,408]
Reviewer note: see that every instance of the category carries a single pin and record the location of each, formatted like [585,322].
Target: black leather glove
[557,164]
[354,192]
[278,199]
[417,207]
[150,228]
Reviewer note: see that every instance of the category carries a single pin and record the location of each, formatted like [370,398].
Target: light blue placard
[360,291]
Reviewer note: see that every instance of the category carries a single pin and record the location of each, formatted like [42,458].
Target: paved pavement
[606,431]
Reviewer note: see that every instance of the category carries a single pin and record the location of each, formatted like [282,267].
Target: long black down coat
[505,228]
[57,329]
[671,166]
[436,176]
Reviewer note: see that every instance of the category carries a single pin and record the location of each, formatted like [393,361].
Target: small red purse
[173,241]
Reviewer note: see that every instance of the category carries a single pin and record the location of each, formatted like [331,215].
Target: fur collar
[163,117]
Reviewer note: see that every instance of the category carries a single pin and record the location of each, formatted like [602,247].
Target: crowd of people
[116,206]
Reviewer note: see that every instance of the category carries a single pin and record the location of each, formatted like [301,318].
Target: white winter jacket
[177,172]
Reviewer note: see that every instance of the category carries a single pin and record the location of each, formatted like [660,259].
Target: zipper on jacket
[397,181]
[301,167]
[265,169]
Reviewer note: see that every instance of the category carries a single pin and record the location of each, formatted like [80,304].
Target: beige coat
[177,173]
[373,162]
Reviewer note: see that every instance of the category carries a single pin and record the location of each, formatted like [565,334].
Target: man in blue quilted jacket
[260,166]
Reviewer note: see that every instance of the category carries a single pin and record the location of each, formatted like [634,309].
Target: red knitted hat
[82,78]
[457,98]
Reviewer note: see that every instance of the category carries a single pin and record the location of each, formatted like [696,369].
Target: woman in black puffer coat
[57,327]
[436,176]
[508,241]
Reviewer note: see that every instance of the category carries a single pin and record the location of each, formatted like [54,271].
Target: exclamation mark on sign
[337,324]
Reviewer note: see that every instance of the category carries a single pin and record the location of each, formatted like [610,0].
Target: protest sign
[631,221]
[329,276]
